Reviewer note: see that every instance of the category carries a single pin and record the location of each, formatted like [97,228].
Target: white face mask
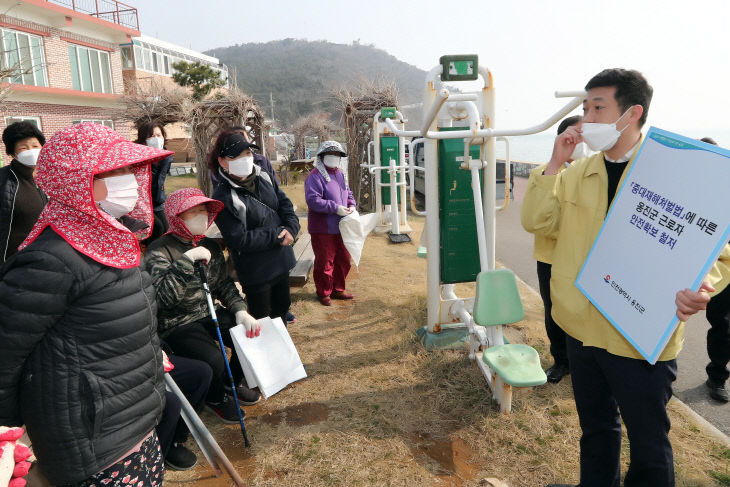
[581,151]
[155,142]
[28,157]
[121,195]
[241,167]
[602,136]
[197,225]
[331,161]
[213,231]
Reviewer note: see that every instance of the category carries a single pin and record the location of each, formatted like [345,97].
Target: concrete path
[514,250]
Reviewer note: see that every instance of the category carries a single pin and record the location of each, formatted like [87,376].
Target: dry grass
[377,409]
[173,183]
[294,190]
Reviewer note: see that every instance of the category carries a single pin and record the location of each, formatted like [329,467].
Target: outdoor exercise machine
[388,166]
[459,136]
[413,168]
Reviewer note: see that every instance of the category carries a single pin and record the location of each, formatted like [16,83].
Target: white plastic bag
[270,361]
[354,229]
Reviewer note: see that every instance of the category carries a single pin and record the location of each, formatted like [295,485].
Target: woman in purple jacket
[329,199]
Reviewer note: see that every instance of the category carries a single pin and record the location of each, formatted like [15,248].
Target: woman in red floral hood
[78,344]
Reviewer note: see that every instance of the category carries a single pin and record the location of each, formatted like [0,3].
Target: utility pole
[271,99]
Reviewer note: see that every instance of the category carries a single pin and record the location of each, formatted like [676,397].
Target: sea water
[537,148]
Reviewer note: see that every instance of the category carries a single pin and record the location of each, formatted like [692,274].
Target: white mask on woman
[241,167]
[121,197]
[28,157]
[155,142]
[197,225]
[331,160]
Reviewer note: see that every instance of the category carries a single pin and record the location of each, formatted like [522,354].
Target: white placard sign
[270,361]
[669,222]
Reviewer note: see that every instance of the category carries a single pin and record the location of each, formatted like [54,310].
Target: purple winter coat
[323,198]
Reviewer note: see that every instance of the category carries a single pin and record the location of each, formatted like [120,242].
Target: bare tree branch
[5,74]
[153,101]
[358,108]
[208,117]
[318,125]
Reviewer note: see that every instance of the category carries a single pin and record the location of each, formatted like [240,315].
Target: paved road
[514,249]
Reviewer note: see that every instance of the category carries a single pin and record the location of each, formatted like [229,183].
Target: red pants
[331,263]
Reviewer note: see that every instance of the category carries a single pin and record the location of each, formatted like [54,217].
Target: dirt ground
[377,409]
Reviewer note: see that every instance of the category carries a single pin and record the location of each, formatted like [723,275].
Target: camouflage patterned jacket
[179,292]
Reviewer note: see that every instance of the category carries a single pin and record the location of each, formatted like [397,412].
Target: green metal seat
[518,365]
[497,300]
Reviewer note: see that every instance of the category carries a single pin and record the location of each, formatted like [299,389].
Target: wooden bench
[181,170]
[299,275]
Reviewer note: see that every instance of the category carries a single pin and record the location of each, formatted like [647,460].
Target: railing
[109,10]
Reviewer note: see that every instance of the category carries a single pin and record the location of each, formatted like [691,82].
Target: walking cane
[211,308]
[202,436]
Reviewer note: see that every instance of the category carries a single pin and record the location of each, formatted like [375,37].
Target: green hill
[302,75]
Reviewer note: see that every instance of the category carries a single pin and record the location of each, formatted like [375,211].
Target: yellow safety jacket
[544,244]
[571,207]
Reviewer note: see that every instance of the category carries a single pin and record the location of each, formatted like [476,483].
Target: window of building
[147,60]
[138,57]
[159,60]
[90,70]
[127,58]
[19,118]
[107,123]
[24,51]
[173,60]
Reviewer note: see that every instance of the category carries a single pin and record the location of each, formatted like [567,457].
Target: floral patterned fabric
[143,468]
[182,200]
[66,168]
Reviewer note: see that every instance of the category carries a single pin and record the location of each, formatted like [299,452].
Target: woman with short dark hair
[21,201]
[154,135]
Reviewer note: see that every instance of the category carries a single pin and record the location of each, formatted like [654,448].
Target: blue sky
[532,47]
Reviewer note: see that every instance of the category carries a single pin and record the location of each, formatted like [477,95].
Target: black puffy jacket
[80,361]
[250,225]
[8,190]
[8,193]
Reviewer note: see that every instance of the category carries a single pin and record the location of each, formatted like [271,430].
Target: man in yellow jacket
[608,374]
[543,253]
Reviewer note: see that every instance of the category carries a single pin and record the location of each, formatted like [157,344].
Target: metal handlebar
[394,169]
[443,97]
[507,174]
[570,94]
[412,163]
